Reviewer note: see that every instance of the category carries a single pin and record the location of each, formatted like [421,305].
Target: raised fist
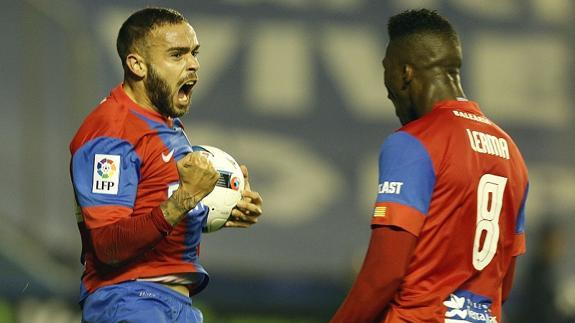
[198,178]
[197,174]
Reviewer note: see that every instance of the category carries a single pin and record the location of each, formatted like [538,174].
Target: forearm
[129,237]
[367,299]
[178,205]
[383,269]
[508,281]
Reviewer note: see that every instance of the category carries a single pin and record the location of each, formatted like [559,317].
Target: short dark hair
[140,23]
[418,21]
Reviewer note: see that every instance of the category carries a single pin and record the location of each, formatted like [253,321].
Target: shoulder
[403,148]
[109,119]
[436,136]
[400,140]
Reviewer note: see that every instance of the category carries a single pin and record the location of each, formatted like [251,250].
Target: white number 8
[489,203]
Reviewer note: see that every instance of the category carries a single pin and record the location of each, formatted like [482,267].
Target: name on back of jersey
[488,144]
[388,187]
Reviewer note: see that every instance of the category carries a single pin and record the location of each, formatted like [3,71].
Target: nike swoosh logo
[166,158]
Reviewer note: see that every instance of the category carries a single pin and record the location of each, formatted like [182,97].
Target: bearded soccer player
[139,185]
[449,215]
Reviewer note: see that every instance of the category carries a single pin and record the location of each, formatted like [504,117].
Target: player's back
[474,223]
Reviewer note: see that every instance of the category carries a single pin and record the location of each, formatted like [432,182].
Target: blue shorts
[139,302]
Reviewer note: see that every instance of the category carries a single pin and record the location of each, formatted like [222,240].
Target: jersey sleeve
[406,181]
[519,246]
[105,174]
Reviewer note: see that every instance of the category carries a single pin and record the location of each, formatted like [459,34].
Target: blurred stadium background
[293,89]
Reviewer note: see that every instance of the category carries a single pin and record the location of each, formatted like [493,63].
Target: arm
[124,239]
[518,248]
[508,280]
[128,237]
[389,252]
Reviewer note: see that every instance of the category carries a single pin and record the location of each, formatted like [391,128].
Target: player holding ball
[139,185]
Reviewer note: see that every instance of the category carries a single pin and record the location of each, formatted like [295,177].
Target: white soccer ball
[228,190]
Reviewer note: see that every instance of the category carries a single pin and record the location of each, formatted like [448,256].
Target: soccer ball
[228,190]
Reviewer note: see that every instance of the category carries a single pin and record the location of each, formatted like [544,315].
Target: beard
[160,94]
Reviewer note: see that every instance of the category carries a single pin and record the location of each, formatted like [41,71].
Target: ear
[136,64]
[407,75]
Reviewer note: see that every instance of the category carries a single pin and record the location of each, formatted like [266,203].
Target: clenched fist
[198,178]
[197,174]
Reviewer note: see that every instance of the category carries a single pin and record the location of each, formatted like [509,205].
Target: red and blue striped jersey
[123,166]
[459,183]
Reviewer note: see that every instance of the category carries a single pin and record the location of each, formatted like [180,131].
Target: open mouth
[185,92]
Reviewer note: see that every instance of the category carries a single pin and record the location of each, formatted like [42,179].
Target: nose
[193,64]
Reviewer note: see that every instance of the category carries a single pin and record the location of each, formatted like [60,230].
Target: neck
[446,87]
[137,92]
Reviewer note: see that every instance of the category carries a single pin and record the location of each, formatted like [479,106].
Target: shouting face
[172,65]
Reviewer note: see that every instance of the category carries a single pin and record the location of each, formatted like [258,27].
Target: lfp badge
[106,174]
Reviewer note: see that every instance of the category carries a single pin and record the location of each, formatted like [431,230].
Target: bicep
[406,182]
[105,174]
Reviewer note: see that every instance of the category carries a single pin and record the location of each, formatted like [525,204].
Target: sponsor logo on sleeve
[388,187]
[106,174]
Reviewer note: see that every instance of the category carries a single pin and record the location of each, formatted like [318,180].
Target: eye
[196,53]
[176,54]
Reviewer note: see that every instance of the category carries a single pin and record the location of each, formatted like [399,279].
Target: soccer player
[449,215]
[138,184]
